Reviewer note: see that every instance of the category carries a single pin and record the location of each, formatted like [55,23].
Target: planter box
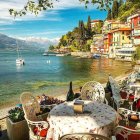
[18,130]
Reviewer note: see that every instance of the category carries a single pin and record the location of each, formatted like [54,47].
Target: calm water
[53,78]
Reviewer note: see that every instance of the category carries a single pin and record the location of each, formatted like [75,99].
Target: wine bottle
[70,94]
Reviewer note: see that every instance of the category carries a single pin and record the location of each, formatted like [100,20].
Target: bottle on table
[70,94]
[0,131]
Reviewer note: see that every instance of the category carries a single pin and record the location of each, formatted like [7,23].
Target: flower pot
[18,130]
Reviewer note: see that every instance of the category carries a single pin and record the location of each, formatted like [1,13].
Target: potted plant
[17,128]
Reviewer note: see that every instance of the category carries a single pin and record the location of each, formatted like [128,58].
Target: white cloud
[62,4]
[41,40]
[52,14]
[48,33]
[6,28]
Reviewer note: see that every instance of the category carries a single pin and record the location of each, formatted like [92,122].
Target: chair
[124,133]
[83,136]
[37,127]
[127,115]
[93,91]
[136,105]
[116,97]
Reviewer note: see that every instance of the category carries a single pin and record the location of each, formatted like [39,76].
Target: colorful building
[97,45]
[120,37]
[134,21]
[94,22]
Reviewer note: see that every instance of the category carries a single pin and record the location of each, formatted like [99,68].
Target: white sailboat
[19,60]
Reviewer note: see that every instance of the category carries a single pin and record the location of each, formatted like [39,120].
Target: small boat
[19,60]
[96,56]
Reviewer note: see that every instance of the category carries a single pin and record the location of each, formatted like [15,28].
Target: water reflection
[19,68]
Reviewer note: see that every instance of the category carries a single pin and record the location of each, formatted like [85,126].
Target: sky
[49,24]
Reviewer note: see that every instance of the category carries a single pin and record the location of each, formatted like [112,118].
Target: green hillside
[121,10]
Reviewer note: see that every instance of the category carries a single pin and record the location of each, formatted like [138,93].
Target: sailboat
[19,60]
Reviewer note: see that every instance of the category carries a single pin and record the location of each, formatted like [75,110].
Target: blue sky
[49,24]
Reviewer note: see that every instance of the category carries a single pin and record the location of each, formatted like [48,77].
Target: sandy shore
[4,111]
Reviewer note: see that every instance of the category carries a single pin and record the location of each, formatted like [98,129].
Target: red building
[134,21]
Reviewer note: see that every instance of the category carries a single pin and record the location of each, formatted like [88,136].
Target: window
[138,22]
[132,25]
[122,37]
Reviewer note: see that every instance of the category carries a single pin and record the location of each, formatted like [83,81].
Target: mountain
[43,42]
[10,43]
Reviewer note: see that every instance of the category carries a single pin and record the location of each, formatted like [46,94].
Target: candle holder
[78,106]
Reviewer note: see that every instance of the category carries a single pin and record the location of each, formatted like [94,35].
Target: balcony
[136,33]
[136,41]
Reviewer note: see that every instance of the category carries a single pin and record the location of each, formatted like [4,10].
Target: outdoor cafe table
[99,118]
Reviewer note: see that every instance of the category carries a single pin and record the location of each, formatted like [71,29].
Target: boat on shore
[96,56]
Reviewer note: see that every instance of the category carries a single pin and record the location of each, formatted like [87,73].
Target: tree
[109,15]
[89,30]
[51,47]
[121,3]
[35,7]
[115,9]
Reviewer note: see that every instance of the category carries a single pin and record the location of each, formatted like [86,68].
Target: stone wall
[81,54]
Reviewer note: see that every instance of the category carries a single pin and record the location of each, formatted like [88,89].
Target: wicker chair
[124,133]
[83,136]
[31,107]
[93,91]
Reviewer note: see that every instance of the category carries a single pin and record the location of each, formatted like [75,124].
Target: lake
[39,76]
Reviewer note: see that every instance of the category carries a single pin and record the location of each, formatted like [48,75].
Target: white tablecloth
[100,119]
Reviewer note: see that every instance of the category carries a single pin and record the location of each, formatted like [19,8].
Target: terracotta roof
[97,20]
[121,29]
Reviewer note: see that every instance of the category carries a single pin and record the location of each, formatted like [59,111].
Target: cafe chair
[116,97]
[136,105]
[125,133]
[37,127]
[128,115]
[93,91]
[83,136]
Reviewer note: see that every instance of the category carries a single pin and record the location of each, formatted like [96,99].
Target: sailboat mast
[17,49]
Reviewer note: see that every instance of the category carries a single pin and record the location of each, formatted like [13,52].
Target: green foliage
[51,47]
[121,10]
[101,4]
[115,9]
[33,7]
[109,15]
[40,5]
[89,30]
[98,28]
[78,39]
[16,114]
[136,56]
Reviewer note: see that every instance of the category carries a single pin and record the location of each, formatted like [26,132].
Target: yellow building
[120,37]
